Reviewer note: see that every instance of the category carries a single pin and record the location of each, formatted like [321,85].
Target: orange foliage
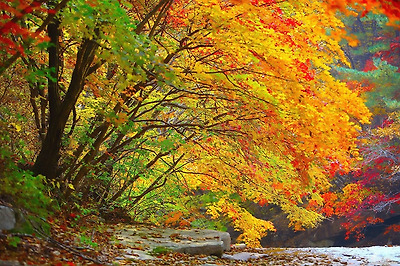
[178,219]
[357,225]
[173,218]
[392,228]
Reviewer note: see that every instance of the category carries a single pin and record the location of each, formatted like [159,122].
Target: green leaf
[14,241]
[166,144]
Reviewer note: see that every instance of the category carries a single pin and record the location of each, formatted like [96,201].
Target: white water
[376,255]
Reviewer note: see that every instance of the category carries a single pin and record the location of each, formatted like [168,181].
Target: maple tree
[290,159]
[233,97]
[369,193]
[19,28]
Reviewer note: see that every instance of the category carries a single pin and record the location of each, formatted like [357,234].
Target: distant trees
[374,183]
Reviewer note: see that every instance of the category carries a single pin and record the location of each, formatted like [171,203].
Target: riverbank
[149,245]
[369,256]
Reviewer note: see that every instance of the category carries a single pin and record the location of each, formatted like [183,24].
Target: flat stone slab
[144,241]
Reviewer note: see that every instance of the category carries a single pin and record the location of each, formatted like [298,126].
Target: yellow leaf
[16,126]
[71,186]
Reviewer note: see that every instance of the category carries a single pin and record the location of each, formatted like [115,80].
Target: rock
[137,255]
[56,253]
[208,248]
[9,263]
[194,242]
[244,256]
[140,256]
[239,246]
[206,258]
[225,237]
[7,218]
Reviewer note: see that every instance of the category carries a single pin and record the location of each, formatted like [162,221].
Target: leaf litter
[64,248]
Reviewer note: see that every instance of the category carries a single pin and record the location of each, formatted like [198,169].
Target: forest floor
[89,243]
[32,251]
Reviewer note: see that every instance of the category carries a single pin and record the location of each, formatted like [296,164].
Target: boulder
[215,248]
[194,242]
[209,236]
[7,218]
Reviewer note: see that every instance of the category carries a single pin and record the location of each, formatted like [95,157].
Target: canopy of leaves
[370,193]
[236,98]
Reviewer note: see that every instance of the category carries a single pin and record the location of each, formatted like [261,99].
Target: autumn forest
[188,113]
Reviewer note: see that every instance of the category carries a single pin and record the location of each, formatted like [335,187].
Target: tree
[19,28]
[368,195]
[233,97]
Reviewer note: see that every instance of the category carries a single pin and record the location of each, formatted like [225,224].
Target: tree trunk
[48,157]
[47,160]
